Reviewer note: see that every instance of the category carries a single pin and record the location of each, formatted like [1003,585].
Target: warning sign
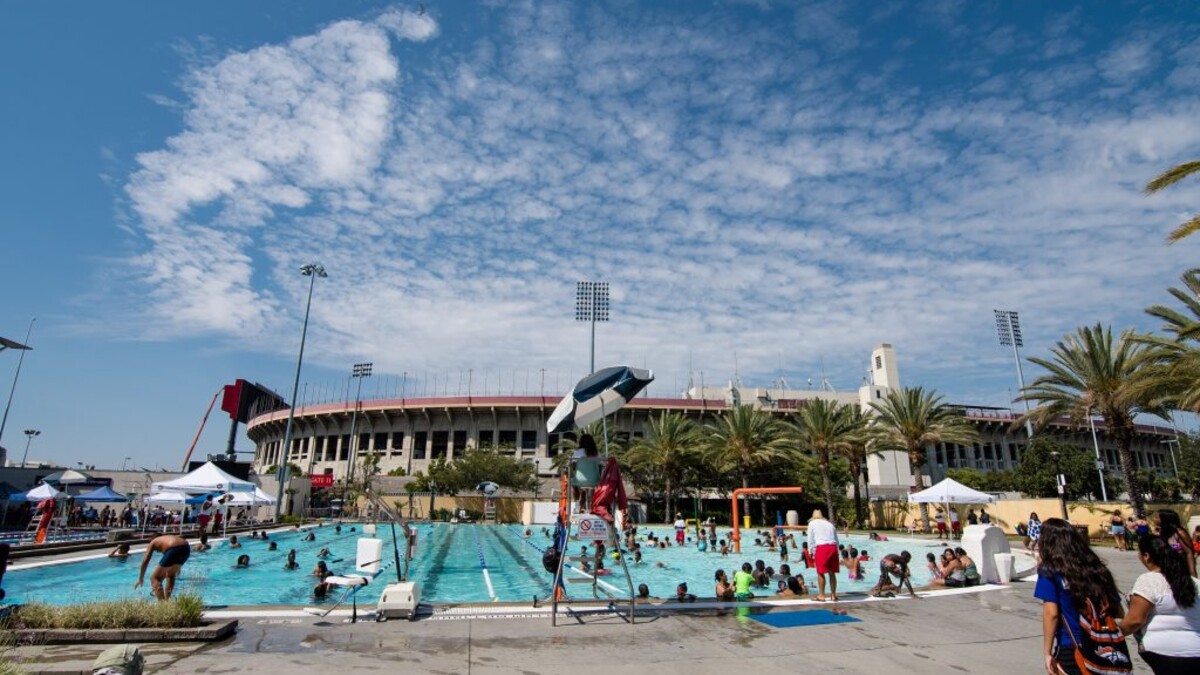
[591,528]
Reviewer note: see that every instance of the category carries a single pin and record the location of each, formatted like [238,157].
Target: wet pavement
[995,631]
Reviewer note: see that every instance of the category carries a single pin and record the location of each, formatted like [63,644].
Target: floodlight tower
[311,270]
[359,372]
[591,304]
[1008,329]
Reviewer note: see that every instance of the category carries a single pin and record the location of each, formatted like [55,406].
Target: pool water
[449,564]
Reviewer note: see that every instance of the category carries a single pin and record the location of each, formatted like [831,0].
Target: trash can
[1005,564]
[792,518]
[746,522]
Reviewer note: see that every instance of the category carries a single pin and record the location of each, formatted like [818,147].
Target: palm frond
[1171,176]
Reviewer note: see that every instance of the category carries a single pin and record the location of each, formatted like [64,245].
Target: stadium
[409,433]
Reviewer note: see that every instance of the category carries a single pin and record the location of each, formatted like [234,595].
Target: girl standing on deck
[1164,608]
[1071,578]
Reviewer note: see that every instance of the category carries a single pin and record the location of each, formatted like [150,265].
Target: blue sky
[780,185]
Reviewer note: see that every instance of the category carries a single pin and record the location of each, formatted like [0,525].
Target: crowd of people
[1086,618]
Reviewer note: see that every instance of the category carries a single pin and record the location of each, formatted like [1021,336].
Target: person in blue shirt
[1069,574]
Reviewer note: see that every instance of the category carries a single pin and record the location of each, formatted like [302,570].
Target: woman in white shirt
[1163,606]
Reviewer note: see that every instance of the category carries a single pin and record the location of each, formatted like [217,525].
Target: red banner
[322,480]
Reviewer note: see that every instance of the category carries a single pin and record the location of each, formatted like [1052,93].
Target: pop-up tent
[208,478]
[174,498]
[950,491]
[104,494]
[256,498]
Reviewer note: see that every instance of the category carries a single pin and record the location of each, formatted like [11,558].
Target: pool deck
[994,631]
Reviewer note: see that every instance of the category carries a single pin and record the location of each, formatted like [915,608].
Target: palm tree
[1090,372]
[1178,352]
[823,428]
[855,451]
[911,420]
[743,439]
[667,452]
[1168,178]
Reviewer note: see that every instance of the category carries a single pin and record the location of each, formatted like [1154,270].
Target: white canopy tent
[171,498]
[950,491]
[256,498]
[208,478]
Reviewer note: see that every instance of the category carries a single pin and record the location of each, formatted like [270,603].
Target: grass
[183,611]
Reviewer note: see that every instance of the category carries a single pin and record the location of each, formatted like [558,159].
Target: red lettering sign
[322,480]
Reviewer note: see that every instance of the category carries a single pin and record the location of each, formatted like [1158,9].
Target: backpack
[1100,647]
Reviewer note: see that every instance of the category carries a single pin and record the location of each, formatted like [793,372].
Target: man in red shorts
[823,542]
[939,519]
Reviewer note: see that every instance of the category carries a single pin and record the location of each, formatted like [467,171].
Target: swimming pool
[449,564]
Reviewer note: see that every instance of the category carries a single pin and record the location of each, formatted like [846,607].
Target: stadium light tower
[359,372]
[311,270]
[591,305]
[30,434]
[1008,329]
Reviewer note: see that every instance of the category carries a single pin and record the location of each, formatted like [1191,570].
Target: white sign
[591,528]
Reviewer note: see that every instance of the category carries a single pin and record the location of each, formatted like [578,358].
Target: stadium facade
[410,433]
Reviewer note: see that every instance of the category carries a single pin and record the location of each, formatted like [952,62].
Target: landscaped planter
[209,632]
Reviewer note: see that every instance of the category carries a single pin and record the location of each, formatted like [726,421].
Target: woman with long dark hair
[1163,607]
[1069,575]
[1171,529]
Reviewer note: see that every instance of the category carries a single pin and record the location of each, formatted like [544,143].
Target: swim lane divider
[487,578]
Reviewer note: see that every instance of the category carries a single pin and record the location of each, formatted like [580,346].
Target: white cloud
[738,191]
[407,25]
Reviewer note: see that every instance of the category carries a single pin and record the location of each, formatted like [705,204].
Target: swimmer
[121,551]
[643,592]
[291,563]
[310,537]
[175,552]
[637,558]
[322,589]
[234,543]
[321,570]
[324,553]
[243,560]
[682,595]
[272,547]
[338,529]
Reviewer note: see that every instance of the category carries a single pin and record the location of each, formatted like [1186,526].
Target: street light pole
[1061,482]
[1099,463]
[591,305]
[360,371]
[311,270]
[29,433]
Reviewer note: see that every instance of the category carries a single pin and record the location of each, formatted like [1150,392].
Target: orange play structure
[737,537]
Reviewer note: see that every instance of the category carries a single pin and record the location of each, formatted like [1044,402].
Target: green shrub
[290,520]
[183,611]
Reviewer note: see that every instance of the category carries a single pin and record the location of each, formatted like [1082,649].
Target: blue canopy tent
[104,494]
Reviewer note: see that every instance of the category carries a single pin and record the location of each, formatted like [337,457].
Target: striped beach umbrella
[598,395]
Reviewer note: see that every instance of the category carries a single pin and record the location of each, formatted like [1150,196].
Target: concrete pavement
[995,631]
